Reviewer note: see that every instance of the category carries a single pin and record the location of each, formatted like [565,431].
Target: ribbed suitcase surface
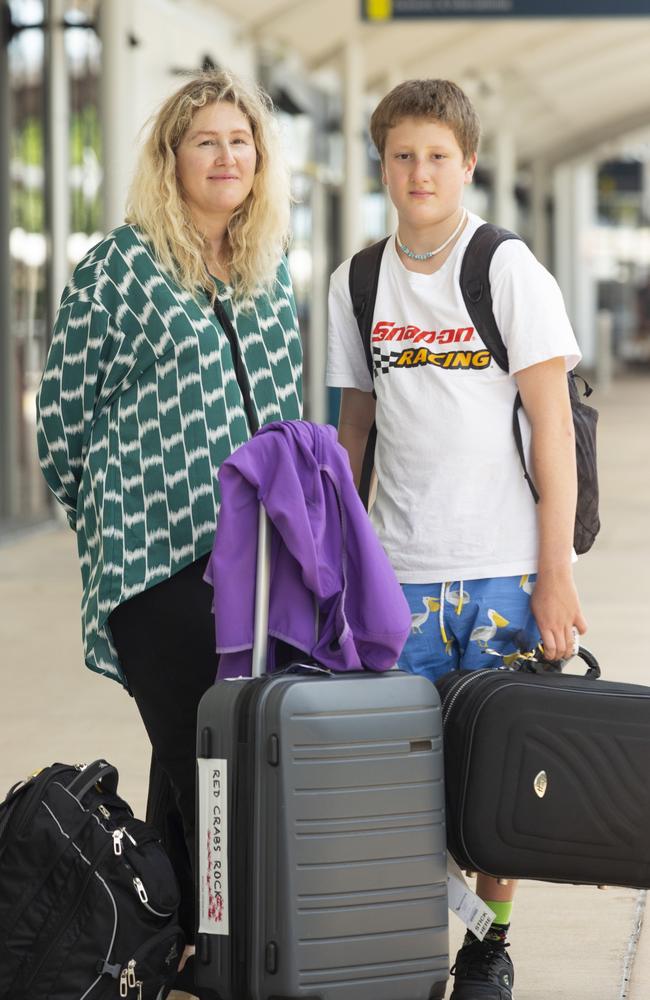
[547,776]
[336,864]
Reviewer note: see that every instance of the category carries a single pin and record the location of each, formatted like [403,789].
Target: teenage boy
[485,570]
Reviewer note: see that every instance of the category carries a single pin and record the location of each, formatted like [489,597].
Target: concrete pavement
[569,943]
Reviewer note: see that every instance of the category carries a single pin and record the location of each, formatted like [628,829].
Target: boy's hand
[556,608]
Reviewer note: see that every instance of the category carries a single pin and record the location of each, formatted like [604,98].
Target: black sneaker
[483,970]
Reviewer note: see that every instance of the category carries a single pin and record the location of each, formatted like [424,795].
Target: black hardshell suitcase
[321,837]
[547,775]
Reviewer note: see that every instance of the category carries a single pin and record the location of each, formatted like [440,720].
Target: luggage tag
[468,907]
[212,784]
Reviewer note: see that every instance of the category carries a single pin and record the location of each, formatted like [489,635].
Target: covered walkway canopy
[566,84]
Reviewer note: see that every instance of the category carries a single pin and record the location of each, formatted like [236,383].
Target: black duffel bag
[546,774]
[88,898]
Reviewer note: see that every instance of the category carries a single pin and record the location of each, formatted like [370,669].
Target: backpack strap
[363,280]
[475,286]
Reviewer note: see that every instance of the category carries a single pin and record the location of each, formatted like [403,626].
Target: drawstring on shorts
[441,612]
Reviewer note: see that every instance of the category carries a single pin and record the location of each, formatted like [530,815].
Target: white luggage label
[468,907]
[213,841]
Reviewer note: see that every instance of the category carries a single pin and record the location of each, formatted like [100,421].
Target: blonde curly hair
[258,229]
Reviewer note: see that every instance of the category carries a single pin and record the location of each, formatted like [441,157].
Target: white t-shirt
[452,502]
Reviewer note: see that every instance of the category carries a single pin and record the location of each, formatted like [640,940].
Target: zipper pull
[124,986]
[130,974]
[127,834]
[140,889]
[139,986]
[117,842]
[104,811]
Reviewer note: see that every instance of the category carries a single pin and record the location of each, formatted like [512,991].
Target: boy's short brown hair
[437,100]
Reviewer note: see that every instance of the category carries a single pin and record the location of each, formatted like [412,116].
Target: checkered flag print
[381,362]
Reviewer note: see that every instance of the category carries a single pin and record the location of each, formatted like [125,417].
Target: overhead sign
[390,10]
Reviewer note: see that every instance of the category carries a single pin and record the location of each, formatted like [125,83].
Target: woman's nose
[224,153]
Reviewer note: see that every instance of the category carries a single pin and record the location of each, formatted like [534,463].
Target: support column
[575,212]
[645,191]
[355,156]
[119,134]
[394,76]
[584,199]
[563,236]
[505,166]
[56,157]
[540,227]
[7,381]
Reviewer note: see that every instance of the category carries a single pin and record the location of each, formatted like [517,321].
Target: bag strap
[477,295]
[363,281]
[475,286]
[238,363]
[99,772]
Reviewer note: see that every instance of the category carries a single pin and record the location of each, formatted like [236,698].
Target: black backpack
[475,287]
[88,898]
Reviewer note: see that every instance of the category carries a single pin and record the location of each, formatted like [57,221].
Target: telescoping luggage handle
[263,569]
[261,619]
[262,592]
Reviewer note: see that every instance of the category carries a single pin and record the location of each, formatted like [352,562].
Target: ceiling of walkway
[562,85]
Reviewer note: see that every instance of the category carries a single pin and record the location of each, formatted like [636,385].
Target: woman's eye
[207,142]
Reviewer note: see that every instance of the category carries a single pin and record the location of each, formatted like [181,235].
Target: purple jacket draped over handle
[333,591]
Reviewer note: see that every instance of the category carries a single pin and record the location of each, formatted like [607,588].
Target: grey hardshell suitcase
[321,837]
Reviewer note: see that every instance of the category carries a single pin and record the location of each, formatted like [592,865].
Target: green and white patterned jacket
[137,409]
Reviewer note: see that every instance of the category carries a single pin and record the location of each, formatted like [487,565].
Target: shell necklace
[432,253]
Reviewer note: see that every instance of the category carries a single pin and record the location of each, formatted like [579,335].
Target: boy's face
[425,171]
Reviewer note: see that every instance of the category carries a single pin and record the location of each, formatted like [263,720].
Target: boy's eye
[402,156]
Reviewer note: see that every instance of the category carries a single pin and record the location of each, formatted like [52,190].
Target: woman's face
[215,162]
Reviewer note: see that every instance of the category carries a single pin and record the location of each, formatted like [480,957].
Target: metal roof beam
[274,16]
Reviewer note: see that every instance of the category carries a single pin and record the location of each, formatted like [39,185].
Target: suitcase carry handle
[538,666]
[99,772]
[311,669]
[593,666]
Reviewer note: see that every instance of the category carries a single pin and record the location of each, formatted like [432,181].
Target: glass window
[30,145]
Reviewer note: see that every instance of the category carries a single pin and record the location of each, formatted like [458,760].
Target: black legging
[166,644]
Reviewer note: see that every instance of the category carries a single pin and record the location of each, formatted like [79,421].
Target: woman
[140,404]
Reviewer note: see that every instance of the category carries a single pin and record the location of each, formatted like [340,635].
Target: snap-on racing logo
[385,330]
[418,357]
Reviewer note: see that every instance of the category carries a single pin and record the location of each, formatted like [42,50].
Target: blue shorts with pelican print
[468,624]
